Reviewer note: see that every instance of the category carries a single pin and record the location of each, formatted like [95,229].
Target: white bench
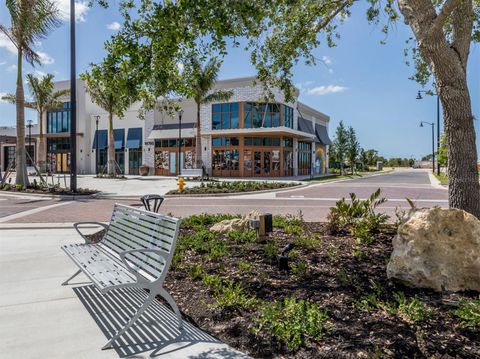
[192,173]
[135,252]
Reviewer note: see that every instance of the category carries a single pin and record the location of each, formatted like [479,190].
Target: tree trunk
[42,148]
[111,146]
[20,155]
[198,141]
[447,61]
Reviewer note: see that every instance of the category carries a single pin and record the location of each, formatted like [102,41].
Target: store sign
[149,143]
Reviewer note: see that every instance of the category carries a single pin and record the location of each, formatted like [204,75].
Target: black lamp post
[97,117]
[420,97]
[73,103]
[433,142]
[30,138]
[180,113]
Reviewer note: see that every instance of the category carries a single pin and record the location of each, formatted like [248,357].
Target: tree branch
[444,13]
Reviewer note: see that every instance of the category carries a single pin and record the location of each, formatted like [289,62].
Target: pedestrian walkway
[39,318]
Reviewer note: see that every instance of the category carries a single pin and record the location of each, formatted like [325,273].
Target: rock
[439,249]
[237,224]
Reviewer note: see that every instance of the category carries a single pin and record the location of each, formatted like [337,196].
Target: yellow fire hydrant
[181,184]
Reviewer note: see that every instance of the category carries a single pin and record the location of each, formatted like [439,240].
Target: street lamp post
[30,137]
[419,97]
[180,113]
[73,102]
[433,141]
[97,117]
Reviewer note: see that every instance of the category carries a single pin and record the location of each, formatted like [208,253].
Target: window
[225,141]
[172,142]
[287,142]
[61,144]
[258,115]
[262,141]
[304,158]
[225,115]
[58,121]
[287,116]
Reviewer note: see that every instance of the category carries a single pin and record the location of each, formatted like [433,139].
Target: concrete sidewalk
[39,318]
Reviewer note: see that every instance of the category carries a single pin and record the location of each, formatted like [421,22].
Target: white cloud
[327,60]
[324,90]
[39,73]
[303,86]
[114,26]
[3,63]
[12,68]
[81,10]
[7,44]
[45,59]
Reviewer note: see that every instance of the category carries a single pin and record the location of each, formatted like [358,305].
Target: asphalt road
[313,201]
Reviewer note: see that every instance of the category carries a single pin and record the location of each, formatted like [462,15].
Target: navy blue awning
[322,135]
[102,140]
[305,125]
[119,138]
[134,138]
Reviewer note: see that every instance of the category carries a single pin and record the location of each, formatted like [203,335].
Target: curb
[300,185]
[68,197]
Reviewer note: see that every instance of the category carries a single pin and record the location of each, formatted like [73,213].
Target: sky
[360,82]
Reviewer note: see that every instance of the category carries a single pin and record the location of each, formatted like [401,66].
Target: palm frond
[10,98]
[220,95]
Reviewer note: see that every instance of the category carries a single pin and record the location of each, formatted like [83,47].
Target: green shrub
[213,281]
[233,296]
[292,322]
[300,269]
[306,242]
[244,266]
[359,213]
[201,221]
[409,309]
[19,187]
[288,220]
[243,236]
[196,272]
[469,312]
[270,251]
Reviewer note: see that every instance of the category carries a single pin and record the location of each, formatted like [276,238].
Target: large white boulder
[236,224]
[439,249]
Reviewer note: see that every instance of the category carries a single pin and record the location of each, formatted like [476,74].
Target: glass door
[134,161]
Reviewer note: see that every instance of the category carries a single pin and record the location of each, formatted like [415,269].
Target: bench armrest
[87,241]
[123,254]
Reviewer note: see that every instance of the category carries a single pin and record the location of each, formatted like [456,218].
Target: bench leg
[172,304]
[73,276]
[139,312]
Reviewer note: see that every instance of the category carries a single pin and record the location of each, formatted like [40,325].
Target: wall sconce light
[205,148]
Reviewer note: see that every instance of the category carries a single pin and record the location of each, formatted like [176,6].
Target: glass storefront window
[58,121]
[225,115]
[287,116]
[257,115]
[225,141]
[287,142]
[262,141]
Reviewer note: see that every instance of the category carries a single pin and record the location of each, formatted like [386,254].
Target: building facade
[245,136]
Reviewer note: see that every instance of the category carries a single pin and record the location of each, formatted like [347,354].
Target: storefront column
[295,157]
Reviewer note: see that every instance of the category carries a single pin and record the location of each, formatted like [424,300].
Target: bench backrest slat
[132,228]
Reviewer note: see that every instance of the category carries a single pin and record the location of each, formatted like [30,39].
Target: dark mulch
[51,190]
[336,279]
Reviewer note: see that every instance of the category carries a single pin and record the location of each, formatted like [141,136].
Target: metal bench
[135,252]
[192,173]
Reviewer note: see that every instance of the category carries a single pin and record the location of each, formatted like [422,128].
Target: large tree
[199,80]
[341,145]
[44,98]
[112,91]
[279,33]
[353,148]
[31,21]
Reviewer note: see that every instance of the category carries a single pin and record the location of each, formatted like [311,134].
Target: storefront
[134,148]
[166,156]
[252,156]
[100,143]
[58,154]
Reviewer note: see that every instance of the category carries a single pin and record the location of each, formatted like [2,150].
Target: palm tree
[31,21]
[111,90]
[203,79]
[44,99]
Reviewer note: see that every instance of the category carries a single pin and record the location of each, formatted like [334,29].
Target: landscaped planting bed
[35,188]
[233,187]
[335,302]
